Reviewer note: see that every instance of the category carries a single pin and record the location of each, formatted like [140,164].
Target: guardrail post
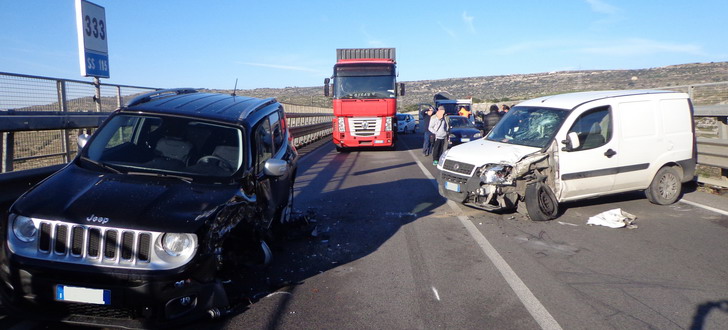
[7,148]
[63,107]
[119,100]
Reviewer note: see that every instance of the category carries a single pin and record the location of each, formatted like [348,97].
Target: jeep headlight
[495,174]
[179,244]
[24,228]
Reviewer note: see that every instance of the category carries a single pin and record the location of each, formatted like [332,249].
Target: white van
[568,147]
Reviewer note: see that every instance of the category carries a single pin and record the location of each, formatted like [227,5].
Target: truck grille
[365,126]
[458,167]
[94,244]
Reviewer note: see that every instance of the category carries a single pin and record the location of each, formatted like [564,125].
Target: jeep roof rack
[144,98]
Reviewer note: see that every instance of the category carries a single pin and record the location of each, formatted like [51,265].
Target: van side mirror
[401,89]
[571,143]
[326,86]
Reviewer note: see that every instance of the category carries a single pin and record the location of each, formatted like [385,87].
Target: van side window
[594,128]
[263,143]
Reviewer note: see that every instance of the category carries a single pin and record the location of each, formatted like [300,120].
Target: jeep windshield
[528,126]
[364,81]
[165,146]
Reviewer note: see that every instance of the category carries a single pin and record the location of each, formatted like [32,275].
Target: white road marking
[704,207]
[529,300]
[437,295]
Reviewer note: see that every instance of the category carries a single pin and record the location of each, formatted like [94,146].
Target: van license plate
[452,186]
[83,295]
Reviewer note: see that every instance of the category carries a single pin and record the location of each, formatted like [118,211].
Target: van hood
[481,152]
[86,197]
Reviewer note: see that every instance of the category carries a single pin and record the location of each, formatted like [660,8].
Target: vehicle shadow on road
[335,226]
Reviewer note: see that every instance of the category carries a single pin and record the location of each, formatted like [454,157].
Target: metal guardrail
[40,118]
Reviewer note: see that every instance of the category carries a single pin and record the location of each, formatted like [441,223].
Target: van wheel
[541,202]
[665,188]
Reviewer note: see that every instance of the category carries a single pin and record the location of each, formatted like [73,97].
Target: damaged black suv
[168,198]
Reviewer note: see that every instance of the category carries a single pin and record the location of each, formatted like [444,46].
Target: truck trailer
[365,90]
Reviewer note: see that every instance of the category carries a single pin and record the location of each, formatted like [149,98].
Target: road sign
[92,32]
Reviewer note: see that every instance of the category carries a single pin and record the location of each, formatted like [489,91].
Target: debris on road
[615,218]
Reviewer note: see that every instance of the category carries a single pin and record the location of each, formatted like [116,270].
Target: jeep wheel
[541,202]
[665,188]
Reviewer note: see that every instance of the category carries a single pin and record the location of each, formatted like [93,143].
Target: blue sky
[208,44]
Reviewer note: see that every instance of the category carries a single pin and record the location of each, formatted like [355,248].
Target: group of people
[437,127]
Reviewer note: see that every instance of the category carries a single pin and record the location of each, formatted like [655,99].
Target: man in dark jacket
[427,143]
[490,119]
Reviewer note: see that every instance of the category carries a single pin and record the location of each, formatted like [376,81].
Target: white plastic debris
[615,218]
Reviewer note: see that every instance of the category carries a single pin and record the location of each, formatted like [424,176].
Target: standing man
[427,143]
[438,127]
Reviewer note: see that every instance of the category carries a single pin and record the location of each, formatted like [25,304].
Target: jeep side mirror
[401,89]
[82,139]
[326,86]
[571,143]
[275,167]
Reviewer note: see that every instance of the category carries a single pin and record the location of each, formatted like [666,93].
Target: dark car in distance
[161,206]
[461,130]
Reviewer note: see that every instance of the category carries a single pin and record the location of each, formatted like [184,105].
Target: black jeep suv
[167,198]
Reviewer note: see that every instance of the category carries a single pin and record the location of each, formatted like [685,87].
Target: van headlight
[441,161]
[24,228]
[179,244]
[495,174]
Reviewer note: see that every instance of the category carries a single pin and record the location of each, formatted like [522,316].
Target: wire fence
[28,149]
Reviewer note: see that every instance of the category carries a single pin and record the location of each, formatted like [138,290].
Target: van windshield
[149,144]
[528,126]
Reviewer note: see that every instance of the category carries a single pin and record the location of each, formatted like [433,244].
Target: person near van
[438,127]
[428,137]
[464,112]
[490,119]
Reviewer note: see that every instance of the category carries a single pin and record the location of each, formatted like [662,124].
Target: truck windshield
[148,144]
[364,81]
[528,126]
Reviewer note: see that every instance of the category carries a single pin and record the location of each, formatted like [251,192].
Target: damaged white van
[568,147]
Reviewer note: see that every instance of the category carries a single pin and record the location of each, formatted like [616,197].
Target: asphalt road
[394,254]
[378,248]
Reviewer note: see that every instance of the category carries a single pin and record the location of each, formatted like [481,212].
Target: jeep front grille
[91,242]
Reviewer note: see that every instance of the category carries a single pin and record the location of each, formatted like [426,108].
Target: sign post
[93,50]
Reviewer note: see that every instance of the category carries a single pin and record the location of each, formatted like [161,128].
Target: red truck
[365,94]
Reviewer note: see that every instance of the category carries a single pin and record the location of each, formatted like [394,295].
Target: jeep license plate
[452,186]
[83,295]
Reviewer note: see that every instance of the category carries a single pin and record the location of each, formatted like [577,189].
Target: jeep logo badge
[101,220]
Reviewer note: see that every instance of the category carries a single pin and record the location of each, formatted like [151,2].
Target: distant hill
[522,86]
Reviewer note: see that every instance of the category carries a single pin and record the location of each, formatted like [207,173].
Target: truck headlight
[178,244]
[342,126]
[24,229]
[495,174]
[388,124]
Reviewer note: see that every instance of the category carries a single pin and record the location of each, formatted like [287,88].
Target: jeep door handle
[609,153]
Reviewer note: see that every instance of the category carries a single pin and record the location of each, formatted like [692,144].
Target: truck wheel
[665,188]
[541,202]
